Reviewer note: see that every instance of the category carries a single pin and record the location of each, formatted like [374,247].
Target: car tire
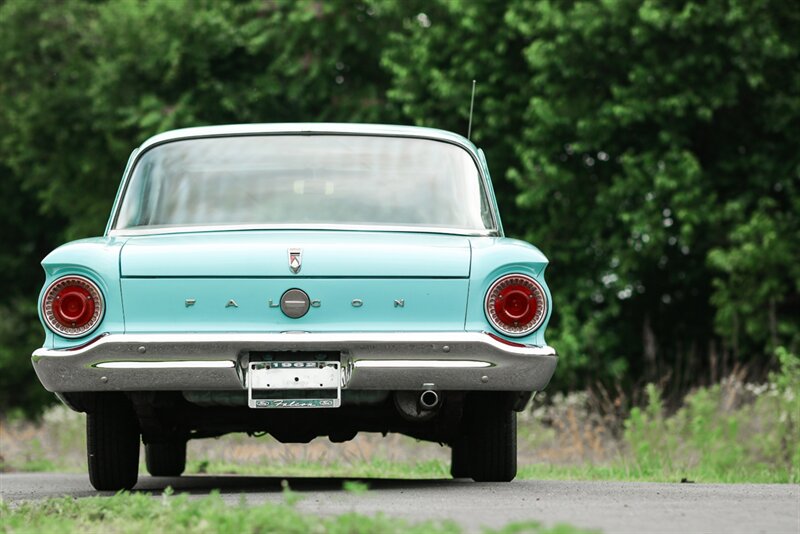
[165,459]
[112,444]
[491,439]
[459,460]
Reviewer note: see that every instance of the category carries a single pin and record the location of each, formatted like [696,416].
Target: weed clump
[727,432]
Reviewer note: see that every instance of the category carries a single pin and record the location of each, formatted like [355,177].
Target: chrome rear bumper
[377,361]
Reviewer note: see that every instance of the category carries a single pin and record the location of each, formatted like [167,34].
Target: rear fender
[76,257]
[493,257]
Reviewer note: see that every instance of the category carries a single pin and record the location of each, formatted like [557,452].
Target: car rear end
[329,324]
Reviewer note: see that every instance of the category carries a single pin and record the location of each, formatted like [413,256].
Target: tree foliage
[649,148]
[660,141]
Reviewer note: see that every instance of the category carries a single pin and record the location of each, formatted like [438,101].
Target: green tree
[659,154]
[649,148]
[82,83]
[434,54]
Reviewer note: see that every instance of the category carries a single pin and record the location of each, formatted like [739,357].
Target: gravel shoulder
[608,506]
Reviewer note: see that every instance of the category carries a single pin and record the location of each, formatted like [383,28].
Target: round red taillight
[72,306]
[516,305]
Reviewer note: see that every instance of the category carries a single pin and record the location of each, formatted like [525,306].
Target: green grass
[135,513]
[625,468]
[621,470]
[376,468]
[627,472]
[715,437]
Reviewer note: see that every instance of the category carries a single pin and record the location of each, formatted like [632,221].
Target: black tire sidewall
[112,444]
[166,458]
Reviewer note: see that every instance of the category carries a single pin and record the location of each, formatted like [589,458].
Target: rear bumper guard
[376,361]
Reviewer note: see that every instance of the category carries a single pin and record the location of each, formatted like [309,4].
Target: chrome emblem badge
[295,259]
[295,303]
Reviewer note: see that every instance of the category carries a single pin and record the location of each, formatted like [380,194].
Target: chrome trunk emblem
[295,303]
[295,259]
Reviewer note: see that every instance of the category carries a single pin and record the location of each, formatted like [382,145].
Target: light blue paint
[95,258]
[493,257]
[158,305]
[325,253]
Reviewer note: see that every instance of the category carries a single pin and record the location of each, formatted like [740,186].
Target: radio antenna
[471,106]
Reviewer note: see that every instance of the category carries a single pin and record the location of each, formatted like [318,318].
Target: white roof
[311,128]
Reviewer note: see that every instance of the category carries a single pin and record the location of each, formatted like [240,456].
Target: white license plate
[290,384]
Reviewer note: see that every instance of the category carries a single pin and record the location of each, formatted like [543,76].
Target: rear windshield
[306,180]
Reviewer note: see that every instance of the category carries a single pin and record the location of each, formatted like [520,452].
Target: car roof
[309,128]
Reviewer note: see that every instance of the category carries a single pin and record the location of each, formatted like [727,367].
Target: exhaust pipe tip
[428,400]
[416,406]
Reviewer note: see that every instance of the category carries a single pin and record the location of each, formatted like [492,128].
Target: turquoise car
[302,280]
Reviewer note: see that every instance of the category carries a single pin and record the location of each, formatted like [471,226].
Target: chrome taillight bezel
[52,291]
[538,293]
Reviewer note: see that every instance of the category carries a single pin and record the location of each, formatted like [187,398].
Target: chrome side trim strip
[221,364]
[420,364]
[181,344]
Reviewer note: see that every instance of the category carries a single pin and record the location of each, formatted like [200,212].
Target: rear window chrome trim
[148,145]
[190,229]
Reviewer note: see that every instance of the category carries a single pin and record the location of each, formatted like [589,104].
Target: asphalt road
[609,506]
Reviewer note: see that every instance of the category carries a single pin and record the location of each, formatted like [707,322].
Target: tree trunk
[650,349]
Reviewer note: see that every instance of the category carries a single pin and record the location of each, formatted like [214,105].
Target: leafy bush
[729,431]
[649,148]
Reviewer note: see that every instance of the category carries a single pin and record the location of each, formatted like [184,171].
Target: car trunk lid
[233,281]
[322,254]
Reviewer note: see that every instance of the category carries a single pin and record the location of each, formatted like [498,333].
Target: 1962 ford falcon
[302,280]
